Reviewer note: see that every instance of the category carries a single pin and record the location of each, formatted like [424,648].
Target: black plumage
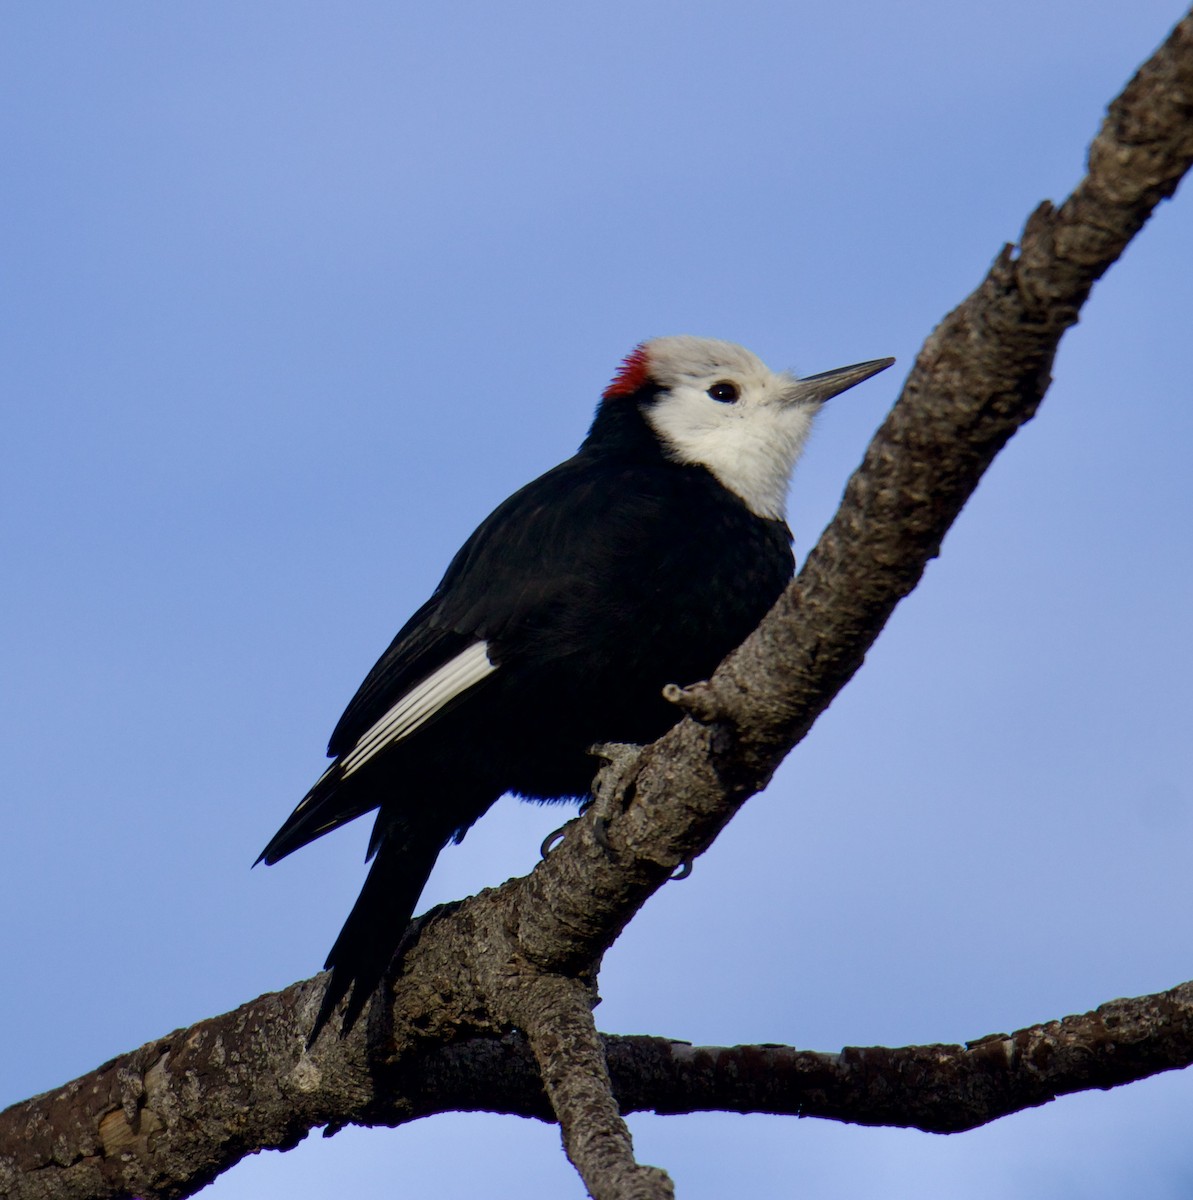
[617,572]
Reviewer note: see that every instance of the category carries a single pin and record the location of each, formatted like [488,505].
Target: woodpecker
[639,562]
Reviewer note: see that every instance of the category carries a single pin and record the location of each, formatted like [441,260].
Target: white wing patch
[421,703]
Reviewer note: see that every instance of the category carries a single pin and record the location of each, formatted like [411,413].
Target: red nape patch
[631,375]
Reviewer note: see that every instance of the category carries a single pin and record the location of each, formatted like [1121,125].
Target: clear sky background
[294,294]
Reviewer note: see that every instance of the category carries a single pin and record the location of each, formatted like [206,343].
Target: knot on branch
[700,701]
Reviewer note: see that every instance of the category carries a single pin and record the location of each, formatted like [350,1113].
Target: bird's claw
[552,840]
[600,834]
[612,784]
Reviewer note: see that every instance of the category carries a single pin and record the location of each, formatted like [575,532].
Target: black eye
[724,391]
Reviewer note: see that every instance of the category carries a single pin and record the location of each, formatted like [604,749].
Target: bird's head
[714,404]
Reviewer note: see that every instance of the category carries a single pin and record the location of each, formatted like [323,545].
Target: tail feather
[375,926]
[324,808]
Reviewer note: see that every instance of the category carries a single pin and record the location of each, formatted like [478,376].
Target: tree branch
[556,1016]
[937,1089]
[167,1118]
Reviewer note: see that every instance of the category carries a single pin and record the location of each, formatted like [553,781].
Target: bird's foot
[599,833]
[610,792]
[613,786]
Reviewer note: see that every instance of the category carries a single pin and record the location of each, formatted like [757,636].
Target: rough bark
[181,1109]
[170,1116]
[938,1089]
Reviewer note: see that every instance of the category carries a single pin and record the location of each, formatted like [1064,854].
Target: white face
[750,439]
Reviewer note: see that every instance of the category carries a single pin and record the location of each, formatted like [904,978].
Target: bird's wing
[568,532]
[422,648]
[506,585]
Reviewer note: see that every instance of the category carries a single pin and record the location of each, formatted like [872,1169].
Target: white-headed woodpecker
[641,561]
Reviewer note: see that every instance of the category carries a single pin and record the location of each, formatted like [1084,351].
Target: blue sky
[294,294]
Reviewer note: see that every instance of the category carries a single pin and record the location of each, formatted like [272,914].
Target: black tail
[375,926]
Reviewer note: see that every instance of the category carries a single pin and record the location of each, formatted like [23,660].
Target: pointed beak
[816,389]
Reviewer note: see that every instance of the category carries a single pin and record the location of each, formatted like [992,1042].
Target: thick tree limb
[193,1103]
[167,1118]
